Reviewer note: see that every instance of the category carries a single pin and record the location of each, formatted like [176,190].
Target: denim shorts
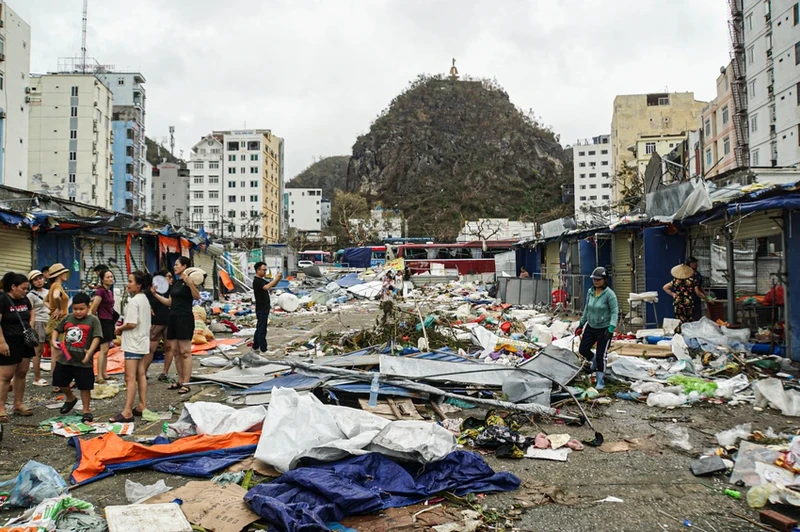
[133,356]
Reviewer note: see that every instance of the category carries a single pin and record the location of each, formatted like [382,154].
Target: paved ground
[649,482]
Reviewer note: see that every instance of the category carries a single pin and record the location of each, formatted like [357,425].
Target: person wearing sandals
[181,323]
[135,333]
[15,312]
[82,334]
[41,312]
[158,328]
[103,308]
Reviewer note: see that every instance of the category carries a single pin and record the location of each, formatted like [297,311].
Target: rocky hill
[448,150]
[328,174]
[157,154]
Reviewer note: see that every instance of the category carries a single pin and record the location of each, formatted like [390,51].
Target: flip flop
[88,417]
[119,418]
[24,412]
[137,413]
[174,386]
[67,407]
[41,382]
[183,390]
[4,418]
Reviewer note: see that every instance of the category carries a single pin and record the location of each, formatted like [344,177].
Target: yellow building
[647,145]
[637,115]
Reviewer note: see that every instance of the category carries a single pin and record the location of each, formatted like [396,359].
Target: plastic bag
[34,483]
[694,384]
[741,336]
[46,514]
[136,493]
[758,496]
[770,392]
[680,437]
[647,387]
[727,388]
[665,399]
[730,437]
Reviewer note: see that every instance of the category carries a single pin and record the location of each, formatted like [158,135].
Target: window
[213,180]
[582,165]
[605,185]
[73,112]
[197,210]
[583,198]
[254,199]
[241,170]
[243,214]
[604,163]
[254,184]
[603,152]
[797,92]
[231,157]
[198,180]
[593,185]
[751,93]
[242,184]
[231,170]
[708,127]
[605,196]
[754,123]
[254,169]
[74,92]
[754,157]
[233,146]
[242,198]
[583,187]
[120,81]
[253,156]
[650,147]
[583,175]
[749,22]
[750,55]
[71,178]
[592,164]
[708,157]
[592,197]
[592,152]
[592,175]
[231,184]
[795,14]
[797,53]
[163,185]
[725,115]
[726,145]
[73,134]
[604,174]
[198,194]
[243,157]
[581,153]
[213,194]
[73,156]
[213,165]
[213,211]
[198,165]
[232,199]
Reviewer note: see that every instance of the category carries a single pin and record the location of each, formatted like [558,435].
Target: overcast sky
[318,72]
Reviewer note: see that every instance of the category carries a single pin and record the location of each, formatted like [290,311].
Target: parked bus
[312,257]
[469,258]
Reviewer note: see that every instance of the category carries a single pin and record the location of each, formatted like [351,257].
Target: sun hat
[34,274]
[682,271]
[57,269]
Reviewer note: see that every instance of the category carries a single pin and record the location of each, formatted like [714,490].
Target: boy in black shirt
[261,288]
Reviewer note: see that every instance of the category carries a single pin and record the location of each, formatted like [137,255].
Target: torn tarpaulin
[305,498]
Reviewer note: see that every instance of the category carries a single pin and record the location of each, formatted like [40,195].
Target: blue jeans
[260,338]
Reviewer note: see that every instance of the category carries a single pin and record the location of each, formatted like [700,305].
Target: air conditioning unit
[2,57]
[2,23]
[94,126]
[27,90]
[27,99]
[95,104]
[769,52]
[2,115]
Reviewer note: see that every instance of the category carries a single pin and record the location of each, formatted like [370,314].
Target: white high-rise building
[592,160]
[772,58]
[235,184]
[15,65]
[70,138]
[305,209]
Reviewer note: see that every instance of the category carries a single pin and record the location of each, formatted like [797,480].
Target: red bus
[467,257]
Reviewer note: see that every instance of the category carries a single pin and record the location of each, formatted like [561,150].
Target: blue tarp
[351,279]
[295,381]
[303,499]
[357,257]
[783,202]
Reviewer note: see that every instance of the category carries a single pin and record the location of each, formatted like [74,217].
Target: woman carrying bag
[18,340]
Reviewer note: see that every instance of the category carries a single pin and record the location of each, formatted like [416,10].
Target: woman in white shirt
[135,333]
[41,312]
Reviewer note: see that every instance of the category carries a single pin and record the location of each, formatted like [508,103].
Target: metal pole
[731,314]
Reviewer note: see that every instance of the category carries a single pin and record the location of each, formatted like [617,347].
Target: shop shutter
[622,275]
[757,225]
[16,248]
[553,263]
[205,262]
[640,272]
[103,250]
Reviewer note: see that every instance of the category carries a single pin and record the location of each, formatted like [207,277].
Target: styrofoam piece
[644,333]
[147,518]
[288,302]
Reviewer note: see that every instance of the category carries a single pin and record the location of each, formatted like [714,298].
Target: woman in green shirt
[600,320]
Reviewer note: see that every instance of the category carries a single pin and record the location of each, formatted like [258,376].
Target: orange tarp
[94,454]
[201,349]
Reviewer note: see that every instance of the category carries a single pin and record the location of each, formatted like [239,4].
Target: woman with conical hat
[682,288]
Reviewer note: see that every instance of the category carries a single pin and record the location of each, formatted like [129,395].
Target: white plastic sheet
[331,433]
[770,392]
[216,418]
[136,493]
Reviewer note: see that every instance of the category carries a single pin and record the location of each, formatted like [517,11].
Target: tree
[351,221]
[630,185]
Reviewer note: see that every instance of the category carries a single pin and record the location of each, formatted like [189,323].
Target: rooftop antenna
[172,140]
[83,35]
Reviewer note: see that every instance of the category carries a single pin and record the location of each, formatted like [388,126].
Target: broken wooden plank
[629,349]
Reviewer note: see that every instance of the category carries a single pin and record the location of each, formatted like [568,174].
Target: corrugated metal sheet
[757,225]
[622,274]
[640,281]
[16,249]
[111,251]
[553,262]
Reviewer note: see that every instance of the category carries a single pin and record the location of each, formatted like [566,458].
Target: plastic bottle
[733,493]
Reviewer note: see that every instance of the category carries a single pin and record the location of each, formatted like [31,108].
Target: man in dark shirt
[261,288]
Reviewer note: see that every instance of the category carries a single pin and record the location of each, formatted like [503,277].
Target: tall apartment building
[15,65]
[69,153]
[130,150]
[635,115]
[305,209]
[171,193]
[592,176]
[772,52]
[235,186]
[719,139]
